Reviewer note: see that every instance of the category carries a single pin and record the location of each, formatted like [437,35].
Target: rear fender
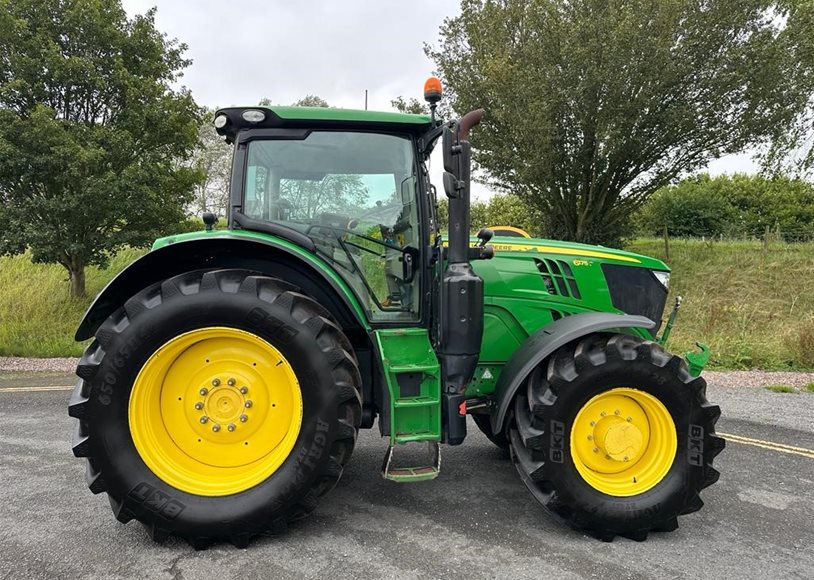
[540,345]
[300,268]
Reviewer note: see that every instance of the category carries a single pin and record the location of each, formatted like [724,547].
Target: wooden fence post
[766,242]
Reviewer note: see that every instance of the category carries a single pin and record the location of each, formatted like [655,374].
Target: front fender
[228,250]
[545,342]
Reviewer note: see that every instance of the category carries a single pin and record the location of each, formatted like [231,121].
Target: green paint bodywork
[352,115]
[313,259]
[517,302]
[697,360]
[415,415]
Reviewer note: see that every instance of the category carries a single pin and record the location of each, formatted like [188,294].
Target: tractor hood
[574,250]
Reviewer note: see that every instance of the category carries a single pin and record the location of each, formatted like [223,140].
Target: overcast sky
[245,50]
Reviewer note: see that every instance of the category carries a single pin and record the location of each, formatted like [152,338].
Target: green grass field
[37,315]
[754,309]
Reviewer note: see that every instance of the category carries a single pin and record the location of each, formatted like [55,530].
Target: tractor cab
[355,192]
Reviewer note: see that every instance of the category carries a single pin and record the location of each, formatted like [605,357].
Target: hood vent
[558,278]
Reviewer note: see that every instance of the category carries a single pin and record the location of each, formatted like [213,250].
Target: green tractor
[231,370]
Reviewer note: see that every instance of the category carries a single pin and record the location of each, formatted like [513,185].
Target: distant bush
[731,206]
[499,210]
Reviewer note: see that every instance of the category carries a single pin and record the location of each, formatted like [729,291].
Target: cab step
[414,473]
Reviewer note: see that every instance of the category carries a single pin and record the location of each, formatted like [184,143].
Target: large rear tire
[616,437]
[216,406]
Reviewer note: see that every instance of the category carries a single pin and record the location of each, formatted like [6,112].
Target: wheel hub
[224,405]
[215,411]
[618,439]
[623,441]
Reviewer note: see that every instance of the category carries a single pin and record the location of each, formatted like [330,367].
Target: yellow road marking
[34,389]
[781,447]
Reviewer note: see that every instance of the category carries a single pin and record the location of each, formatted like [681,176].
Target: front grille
[558,278]
[636,291]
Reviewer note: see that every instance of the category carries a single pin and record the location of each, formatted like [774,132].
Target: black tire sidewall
[127,477]
[670,495]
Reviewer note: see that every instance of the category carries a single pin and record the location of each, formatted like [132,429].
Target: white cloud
[245,50]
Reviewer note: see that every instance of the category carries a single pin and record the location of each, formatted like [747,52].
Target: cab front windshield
[354,195]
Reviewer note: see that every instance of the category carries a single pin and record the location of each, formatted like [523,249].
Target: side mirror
[209,220]
[408,261]
[484,235]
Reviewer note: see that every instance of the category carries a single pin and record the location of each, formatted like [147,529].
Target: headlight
[220,121]
[663,277]
[253,116]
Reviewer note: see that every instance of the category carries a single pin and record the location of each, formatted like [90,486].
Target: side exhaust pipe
[461,324]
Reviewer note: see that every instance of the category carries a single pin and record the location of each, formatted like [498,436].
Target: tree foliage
[412,106]
[732,206]
[593,105]
[500,210]
[212,159]
[311,101]
[91,132]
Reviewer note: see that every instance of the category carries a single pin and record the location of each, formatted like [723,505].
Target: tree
[593,105]
[311,101]
[732,205]
[91,132]
[411,105]
[500,210]
[213,159]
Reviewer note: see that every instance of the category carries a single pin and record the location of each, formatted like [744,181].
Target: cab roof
[321,117]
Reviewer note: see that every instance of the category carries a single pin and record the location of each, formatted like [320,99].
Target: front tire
[216,406]
[615,436]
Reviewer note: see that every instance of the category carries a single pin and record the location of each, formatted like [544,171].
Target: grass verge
[37,315]
[754,309]
[781,389]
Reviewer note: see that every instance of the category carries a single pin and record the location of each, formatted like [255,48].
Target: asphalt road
[475,520]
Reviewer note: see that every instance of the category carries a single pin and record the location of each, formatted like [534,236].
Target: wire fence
[770,240]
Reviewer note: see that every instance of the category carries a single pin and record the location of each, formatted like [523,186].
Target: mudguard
[226,250]
[546,341]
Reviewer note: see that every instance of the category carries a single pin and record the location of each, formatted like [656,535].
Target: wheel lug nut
[630,419]
[593,423]
[215,427]
[590,437]
[596,449]
[616,412]
[204,419]
[204,391]
[248,404]
[244,418]
[231,426]
[244,390]
[198,405]
[215,382]
[231,382]
[603,413]
[626,458]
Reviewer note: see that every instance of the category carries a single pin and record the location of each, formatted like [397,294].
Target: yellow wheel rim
[215,411]
[623,442]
